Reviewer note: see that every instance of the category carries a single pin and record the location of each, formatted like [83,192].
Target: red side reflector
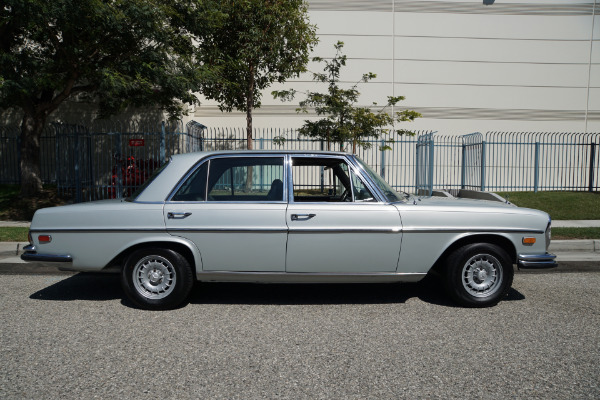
[44,238]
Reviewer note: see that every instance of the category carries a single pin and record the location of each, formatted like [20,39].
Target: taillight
[44,239]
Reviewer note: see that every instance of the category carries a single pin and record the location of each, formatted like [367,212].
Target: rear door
[233,208]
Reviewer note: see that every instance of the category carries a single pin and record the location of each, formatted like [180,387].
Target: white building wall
[515,65]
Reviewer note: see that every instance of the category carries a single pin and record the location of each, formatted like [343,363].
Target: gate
[473,162]
[424,165]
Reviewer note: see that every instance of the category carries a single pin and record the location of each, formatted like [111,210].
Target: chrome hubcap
[154,277]
[482,275]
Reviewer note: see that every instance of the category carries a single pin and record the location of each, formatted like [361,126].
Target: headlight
[548,235]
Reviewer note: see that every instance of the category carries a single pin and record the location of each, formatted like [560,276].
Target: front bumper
[31,254]
[536,261]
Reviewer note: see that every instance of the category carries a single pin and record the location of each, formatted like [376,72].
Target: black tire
[478,275]
[157,279]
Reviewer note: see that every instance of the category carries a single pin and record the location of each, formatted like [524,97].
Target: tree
[343,121]
[117,52]
[259,43]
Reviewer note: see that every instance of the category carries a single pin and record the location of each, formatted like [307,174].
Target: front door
[335,223]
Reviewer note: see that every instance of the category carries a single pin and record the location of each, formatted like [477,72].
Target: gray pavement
[73,337]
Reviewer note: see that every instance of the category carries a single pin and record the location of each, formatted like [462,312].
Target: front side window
[326,180]
[245,179]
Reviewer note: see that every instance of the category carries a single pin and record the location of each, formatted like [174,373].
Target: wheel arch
[501,241]
[187,250]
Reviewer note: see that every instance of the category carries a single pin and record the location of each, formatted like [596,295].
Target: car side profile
[289,216]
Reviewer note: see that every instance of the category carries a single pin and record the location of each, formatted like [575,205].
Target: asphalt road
[74,337]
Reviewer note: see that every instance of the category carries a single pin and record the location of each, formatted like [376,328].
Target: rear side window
[252,179]
[235,179]
[194,188]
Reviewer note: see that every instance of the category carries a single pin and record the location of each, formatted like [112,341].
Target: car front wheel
[158,279]
[478,275]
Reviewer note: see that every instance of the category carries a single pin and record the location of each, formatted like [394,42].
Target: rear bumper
[537,261]
[31,254]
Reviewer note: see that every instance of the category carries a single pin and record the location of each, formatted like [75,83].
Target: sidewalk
[572,256]
[582,223]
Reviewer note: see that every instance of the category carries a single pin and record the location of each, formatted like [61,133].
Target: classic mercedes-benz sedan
[289,217]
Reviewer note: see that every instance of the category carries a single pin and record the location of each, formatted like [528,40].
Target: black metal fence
[105,160]
[108,160]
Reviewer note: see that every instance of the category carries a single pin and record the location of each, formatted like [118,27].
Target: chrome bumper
[537,261]
[31,254]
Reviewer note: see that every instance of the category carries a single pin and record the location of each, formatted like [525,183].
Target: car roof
[180,164]
[203,154]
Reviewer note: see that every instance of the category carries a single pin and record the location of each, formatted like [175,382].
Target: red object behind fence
[133,174]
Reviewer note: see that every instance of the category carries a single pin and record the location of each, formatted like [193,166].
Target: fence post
[261,146]
[18,141]
[163,152]
[322,172]
[431,165]
[483,166]
[417,169]
[57,160]
[592,159]
[463,167]
[382,167]
[119,162]
[536,166]
[78,198]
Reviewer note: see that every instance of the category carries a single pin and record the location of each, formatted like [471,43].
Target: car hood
[461,202]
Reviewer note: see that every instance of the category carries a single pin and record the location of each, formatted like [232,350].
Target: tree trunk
[31,131]
[249,144]
[249,107]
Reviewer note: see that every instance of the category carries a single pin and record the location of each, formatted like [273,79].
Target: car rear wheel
[158,279]
[478,275]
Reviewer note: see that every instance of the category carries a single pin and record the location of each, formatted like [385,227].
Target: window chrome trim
[208,159]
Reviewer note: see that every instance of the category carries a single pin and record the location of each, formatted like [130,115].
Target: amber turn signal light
[528,241]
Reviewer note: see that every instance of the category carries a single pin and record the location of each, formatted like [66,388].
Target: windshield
[389,192]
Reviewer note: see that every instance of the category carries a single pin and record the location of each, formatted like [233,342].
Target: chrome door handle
[178,215]
[303,217]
